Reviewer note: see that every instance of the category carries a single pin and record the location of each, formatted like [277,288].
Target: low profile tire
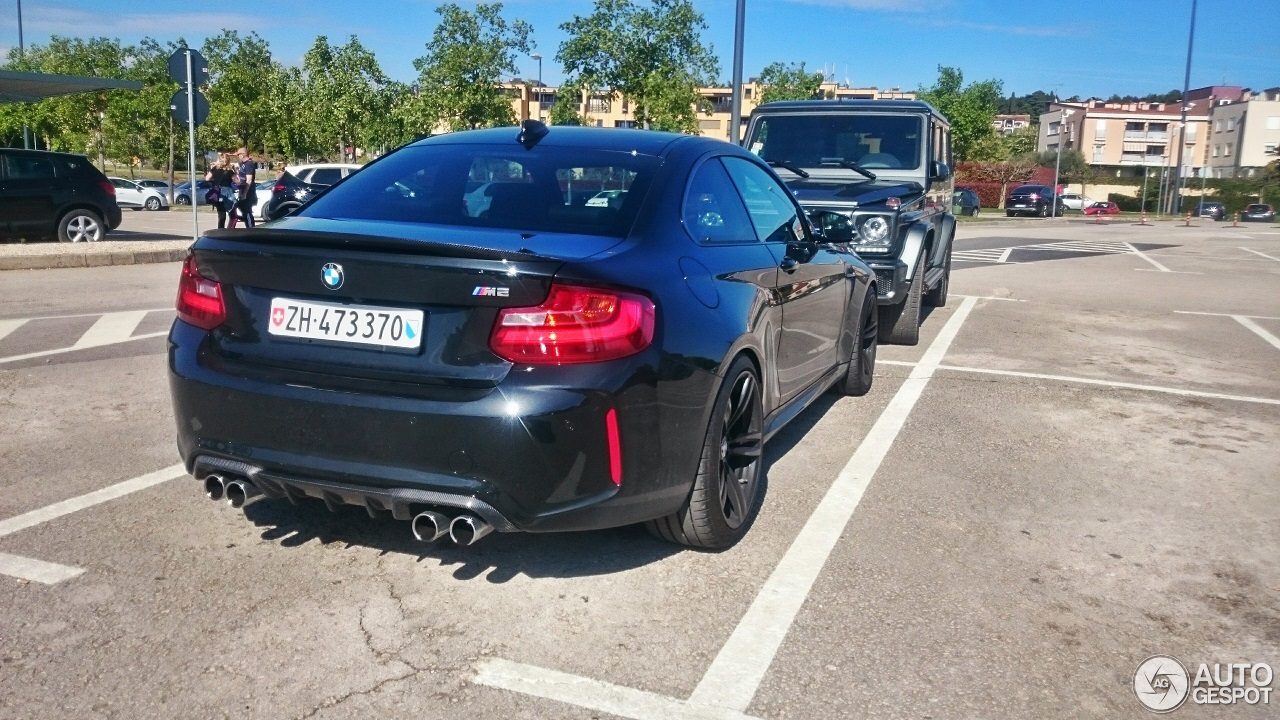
[937,297]
[900,324]
[182,200]
[729,486]
[80,226]
[1044,211]
[153,203]
[862,366]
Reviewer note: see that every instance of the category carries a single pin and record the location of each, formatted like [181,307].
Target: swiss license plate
[358,324]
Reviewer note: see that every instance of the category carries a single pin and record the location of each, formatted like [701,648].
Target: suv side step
[933,277]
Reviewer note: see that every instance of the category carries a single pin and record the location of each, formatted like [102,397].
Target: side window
[326,176]
[768,203]
[23,167]
[713,212]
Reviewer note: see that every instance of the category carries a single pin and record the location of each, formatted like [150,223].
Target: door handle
[788,265]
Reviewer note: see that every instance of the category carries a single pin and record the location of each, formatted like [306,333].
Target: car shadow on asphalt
[499,557]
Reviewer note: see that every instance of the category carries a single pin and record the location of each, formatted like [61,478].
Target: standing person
[220,176]
[248,194]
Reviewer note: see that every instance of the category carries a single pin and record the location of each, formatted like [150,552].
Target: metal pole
[1186,87]
[22,51]
[735,109]
[1146,170]
[1057,164]
[191,147]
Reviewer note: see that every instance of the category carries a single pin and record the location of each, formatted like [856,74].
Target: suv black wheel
[80,226]
[862,365]
[900,324]
[938,296]
[729,486]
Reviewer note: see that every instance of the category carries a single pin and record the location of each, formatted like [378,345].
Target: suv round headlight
[875,230]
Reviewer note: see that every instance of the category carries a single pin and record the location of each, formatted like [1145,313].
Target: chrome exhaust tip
[215,486]
[466,530]
[240,492]
[429,526]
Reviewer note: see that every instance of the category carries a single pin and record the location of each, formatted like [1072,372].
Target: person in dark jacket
[245,181]
[221,176]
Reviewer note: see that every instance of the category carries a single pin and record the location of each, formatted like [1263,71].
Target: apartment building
[1244,135]
[530,100]
[1006,124]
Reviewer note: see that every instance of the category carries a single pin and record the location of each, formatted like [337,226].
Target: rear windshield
[1258,208]
[825,140]
[547,189]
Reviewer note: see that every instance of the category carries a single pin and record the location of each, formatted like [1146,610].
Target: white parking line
[1255,252]
[12,525]
[594,694]
[1230,315]
[1144,256]
[93,314]
[39,571]
[8,326]
[59,351]
[1110,383]
[740,666]
[737,670]
[111,328]
[1257,330]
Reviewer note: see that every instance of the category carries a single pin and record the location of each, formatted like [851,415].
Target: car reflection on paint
[534,362]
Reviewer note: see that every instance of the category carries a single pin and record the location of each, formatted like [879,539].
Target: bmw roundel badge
[332,276]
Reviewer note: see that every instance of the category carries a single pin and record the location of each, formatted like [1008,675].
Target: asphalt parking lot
[1076,469]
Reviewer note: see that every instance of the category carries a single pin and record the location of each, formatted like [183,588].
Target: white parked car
[1075,201]
[263,190]
[323,173]
[130,194]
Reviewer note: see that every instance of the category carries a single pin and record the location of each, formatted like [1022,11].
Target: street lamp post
[735,106]
[538,57]
[22,50]
[1062,124]
[1186,87]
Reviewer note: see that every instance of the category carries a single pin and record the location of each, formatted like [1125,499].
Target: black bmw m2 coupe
[522,329]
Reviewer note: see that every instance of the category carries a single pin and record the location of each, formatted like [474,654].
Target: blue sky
[1087,47]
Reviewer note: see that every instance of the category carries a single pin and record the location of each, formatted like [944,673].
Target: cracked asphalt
[1090,478]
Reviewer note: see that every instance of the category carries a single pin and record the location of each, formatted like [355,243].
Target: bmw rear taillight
[574,325]
[279,187]
[199,298]
[107,187]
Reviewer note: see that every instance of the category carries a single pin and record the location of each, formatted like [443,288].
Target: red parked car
[1102,208]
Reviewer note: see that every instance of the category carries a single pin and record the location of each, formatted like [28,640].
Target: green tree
[1020,142]
[564,111]
[344,86]
[469,54]
[240,69]
[651,54]
[788,82]
[970,108]
[139,123]
[74,123]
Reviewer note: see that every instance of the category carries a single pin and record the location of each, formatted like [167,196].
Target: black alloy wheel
[862,365]
[729,486]
[741,444]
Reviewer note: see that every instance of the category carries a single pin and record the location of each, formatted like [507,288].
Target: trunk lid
[457,277]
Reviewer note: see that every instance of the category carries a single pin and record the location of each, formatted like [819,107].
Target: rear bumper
[534,450]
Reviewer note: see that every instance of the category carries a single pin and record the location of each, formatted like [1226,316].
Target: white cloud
[83,23]
[1031,30]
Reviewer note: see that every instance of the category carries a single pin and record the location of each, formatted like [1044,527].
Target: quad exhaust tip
[429,526]
[467,530]
[215,486]
[239,492]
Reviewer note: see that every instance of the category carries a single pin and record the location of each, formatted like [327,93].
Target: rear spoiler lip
[358,242]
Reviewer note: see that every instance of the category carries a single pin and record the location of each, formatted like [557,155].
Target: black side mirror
[939,170]
[831,227]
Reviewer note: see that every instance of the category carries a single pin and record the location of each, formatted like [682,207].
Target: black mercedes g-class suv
[876,175]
